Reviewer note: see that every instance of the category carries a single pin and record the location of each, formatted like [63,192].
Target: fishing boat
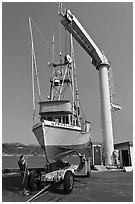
[61,128]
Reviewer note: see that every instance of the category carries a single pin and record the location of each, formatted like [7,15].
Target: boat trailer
[64,174]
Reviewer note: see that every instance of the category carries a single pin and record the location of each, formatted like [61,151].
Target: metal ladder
[115,103]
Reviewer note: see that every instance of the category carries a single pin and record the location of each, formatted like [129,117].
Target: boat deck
[105,186]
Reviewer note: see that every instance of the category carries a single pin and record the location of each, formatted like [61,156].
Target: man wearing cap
[24,173]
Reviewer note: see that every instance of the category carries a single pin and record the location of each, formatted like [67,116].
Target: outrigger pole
[34,73]
[35,77]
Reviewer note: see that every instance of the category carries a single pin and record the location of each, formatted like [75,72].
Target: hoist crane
[99,60]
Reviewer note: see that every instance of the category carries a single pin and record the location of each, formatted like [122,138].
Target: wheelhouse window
[58,119]
[65,120]
[49,118]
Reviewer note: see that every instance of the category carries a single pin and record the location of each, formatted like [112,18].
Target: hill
[18,149]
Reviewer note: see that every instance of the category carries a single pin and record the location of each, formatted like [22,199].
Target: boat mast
[52,84]
[34,73]
[74,83]
[63,75]
[73,87]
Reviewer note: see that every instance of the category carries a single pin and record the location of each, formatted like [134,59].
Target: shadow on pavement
[11,183]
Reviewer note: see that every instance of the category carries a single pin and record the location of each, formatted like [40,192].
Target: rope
[82,111]
[37,194]
[60,41]
[43,37]
[35,146]
[38,142]
[76,139]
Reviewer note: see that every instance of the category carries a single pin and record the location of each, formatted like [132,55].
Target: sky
[110,25]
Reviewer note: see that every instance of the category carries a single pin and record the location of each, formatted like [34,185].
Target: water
[33,161]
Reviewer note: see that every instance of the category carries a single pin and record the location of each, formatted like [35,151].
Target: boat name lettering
[61,124]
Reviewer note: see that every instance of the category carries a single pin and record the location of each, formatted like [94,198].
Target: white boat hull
[59,140]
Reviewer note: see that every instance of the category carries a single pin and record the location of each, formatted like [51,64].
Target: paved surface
[100,187]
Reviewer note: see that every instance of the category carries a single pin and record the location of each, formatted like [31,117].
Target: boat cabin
[61,112]
[57,111]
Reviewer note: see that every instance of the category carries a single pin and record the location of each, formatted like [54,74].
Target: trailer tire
[68,182]
[88,174]
[34,180]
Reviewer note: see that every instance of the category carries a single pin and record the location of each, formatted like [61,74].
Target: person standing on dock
[24,173]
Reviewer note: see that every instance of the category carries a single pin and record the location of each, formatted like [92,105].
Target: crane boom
[101,63]
[71,23]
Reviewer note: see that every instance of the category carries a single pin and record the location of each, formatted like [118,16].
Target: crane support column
[107,130]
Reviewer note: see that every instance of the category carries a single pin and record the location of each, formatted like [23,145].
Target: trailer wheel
[68,182]
[34,180]
[88,174]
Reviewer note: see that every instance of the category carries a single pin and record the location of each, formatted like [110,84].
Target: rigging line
[56,89]
[65,88]
[40,70]
[72,95]
[63,82]
[35,146]
[38,142]
[53,51]
[37,103]
[60,41]
[76,140]
[56,92]
[59,90]
[82,110]
[43,37]
[71,84]
[65,42]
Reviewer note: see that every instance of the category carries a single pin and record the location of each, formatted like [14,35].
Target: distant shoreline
[17,149]
[18,155]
